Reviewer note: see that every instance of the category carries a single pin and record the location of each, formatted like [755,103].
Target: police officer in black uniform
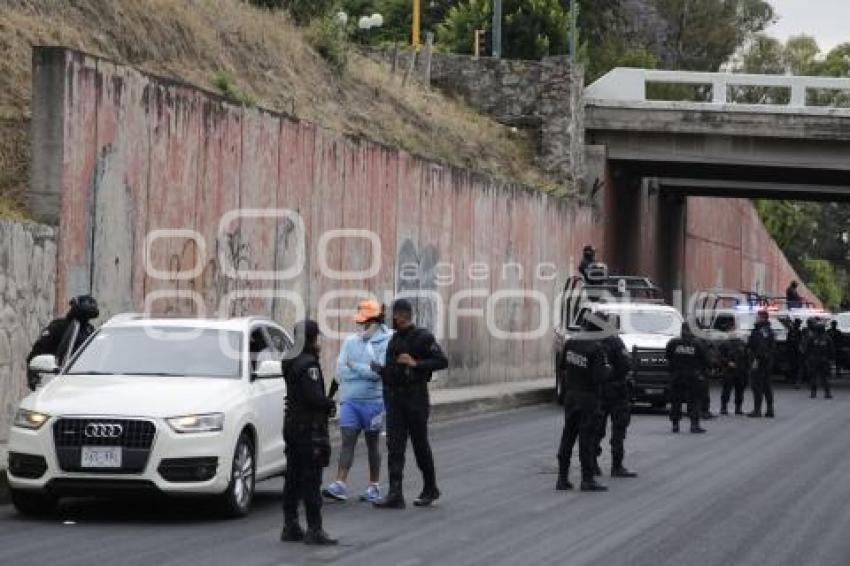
[820,351]
[586,369]
[803,373]
[64,336]
[305,431]
[762,348]
[838,344]
[734,366]
[687,360]
[615,398]
[793,344]
[588,257]
[412,356]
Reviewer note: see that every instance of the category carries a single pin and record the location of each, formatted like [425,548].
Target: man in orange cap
[361,398]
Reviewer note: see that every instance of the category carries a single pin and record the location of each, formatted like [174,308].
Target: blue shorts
[362,415]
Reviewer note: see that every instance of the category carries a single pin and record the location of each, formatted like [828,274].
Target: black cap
[402,305]
[83,307]
[308,329]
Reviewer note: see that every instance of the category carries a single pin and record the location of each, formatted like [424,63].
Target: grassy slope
[267,58]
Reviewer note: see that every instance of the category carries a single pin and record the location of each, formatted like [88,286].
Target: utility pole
[417,17]
[497,29]
[574,8]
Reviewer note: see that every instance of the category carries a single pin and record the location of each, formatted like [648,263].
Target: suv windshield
[161,351]
[650,322]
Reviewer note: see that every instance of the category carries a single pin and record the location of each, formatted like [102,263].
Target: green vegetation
[228,89]
[532,29]
[328,37]
[302,11]
[815,237]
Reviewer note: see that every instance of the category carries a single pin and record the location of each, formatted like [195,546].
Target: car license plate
[101,457]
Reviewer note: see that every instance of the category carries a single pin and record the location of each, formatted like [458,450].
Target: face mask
[367,332]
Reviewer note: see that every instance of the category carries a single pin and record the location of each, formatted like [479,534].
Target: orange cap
[367,310]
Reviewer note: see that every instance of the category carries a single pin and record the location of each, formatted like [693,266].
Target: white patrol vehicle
[645,324]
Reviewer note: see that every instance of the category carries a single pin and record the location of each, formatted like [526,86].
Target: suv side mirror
[45,363]
[268,369]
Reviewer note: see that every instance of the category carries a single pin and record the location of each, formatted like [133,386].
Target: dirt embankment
[264,56]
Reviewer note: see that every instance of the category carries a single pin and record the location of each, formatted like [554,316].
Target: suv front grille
[134,437]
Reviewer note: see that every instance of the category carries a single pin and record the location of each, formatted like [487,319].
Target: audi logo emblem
[103,430]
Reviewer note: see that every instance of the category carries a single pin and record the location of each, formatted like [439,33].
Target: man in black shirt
[64,336]
[733,362]
[820,351]
[616,399]
[588,258]
[837,338]
[687,360]
[586,369]
[793,344]
[762,347]
[305,431]
[412,356]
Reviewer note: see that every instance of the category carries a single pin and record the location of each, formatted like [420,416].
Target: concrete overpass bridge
[665,150]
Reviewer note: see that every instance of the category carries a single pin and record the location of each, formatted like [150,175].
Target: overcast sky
[827,20]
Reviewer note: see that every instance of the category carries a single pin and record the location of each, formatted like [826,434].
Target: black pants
[302,482]
[762,384]
[581,421]
[686,389]
[619,411]
[733,380]
[407,417]
[819,374]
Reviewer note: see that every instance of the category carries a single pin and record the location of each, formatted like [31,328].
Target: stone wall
[27,284]
[542,95]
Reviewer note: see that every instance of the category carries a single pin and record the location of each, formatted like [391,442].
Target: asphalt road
[761,492]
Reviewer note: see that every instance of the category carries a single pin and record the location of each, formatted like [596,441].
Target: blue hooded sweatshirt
[358,382]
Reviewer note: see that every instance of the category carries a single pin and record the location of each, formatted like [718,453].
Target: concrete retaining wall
[27,283]
[139,154]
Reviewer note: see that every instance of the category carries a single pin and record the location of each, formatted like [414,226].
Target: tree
[704,34]
[531,29]
[398,17]
[302,11]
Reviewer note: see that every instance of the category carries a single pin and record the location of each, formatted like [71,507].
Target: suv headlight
[31,420]
[212,422]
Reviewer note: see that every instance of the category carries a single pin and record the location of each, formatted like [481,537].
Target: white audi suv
[176,406]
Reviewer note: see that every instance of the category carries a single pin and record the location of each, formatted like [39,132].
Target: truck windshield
[651,322]
[161,351]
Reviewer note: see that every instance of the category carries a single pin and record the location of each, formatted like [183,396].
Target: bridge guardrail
[629,85]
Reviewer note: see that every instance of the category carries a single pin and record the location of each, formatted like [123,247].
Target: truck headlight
[31,420]
[212,422]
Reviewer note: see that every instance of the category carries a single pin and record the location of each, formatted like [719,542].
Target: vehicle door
[267,397]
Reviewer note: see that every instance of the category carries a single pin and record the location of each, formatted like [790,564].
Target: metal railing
[630,85]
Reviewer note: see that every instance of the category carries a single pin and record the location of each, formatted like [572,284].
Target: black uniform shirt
[686,355]
[585,365]
[421,345]
[305,389]
[762,342]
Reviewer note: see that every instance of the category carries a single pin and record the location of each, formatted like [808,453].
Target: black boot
[675,427]
[723,410]
[292,532]
[829,395]
[739,410]
[696,429]
[428,496]
[814,394]
[621,472]
[769,413]
[563,483]
[591,485]
[318,537]
[393,500]
[755,414]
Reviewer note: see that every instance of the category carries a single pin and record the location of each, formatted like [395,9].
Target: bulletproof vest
[762,341]
[685,355]
[819,346]
[585,365]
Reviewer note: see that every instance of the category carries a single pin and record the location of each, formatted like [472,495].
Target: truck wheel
[33,503]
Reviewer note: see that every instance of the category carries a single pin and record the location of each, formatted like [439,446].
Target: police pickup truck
[644,322]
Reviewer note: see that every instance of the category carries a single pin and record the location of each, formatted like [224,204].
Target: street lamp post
[417,18]
[497,29]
